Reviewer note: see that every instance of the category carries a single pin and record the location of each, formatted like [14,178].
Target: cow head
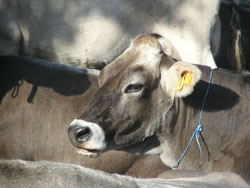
[135,99]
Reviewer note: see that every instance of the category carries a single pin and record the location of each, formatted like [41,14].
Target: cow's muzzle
[88,137]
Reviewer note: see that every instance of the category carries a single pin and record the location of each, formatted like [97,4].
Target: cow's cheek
[114,114]
[124,109]
[124,112]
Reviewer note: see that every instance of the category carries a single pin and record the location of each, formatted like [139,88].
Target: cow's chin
[88,153]
[141,147]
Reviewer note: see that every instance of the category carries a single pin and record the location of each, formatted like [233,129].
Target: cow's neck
[226,131]
[224,123]
[188,114]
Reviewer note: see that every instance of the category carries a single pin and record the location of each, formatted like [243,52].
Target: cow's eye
[132,88]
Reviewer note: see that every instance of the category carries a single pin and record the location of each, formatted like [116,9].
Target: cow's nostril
[82,134]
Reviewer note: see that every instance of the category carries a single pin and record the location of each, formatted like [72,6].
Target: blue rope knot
[199,129]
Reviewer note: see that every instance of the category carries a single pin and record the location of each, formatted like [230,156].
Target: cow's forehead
[145,43]
[143,51]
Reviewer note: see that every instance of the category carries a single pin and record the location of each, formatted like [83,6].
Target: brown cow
[38,99]
[148,103]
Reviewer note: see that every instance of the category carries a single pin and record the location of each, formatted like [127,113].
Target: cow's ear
[179,80]
[167,46]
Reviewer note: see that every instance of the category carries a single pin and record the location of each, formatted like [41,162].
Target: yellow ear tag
[188,78]
[185,79]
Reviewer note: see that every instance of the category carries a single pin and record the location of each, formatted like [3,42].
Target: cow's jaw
[145,146]
[82,137]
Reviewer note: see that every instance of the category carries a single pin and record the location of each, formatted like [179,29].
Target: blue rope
[199,129]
